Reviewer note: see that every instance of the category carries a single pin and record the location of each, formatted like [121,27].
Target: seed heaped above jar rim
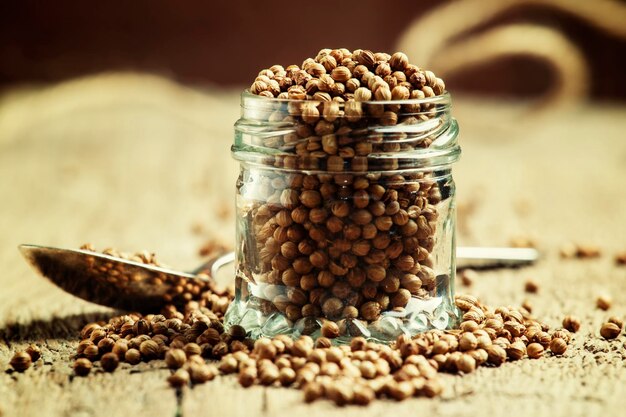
[444,99]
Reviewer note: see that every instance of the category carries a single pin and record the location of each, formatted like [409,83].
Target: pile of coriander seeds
[193,344]
[342,225]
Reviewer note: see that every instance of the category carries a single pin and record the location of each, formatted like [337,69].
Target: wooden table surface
[138,162]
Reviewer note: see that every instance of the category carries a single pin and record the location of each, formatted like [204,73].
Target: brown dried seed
[91,352]
[571,323]
[531,286]
[526,305]
[516,350]
[175,358]
[617,321]
[587,251]
[286,376]
[247,376]
[330,329]
[563,334]
[496,354]
[265,349]
[382,93]
[120,348]
[312,391]
[88,329]
[141,326]
[603,302]
[149,350]
[105,345]
[268,374]
[558,346]
[237,332]
[21,361]
[370,310]
[34,352]
[401,390]
[82,366]
[610,331]
[132,356]
[179,379]
[220,349]
[399,61]
[468,276]
[191,349]
[466,363]
[201,373]
[109,361]
[465,302]
[340,394]
[432,388]
[357,344]
[535,350]
[363,395]
[341,74]
[228,364]
[468,341]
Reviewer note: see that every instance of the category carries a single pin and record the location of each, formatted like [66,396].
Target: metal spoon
[124,284]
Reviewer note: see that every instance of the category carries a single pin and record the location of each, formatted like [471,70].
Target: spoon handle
[215,263]
[493,257]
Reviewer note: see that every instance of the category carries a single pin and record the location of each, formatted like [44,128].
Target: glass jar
[345,214]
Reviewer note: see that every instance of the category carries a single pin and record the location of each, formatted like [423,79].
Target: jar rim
[426,120]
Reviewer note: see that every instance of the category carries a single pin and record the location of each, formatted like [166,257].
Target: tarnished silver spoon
[121,283]
[124,284]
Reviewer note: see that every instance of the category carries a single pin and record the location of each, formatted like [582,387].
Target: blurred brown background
[116,120]
[226,42]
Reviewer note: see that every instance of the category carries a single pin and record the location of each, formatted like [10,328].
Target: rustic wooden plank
[135,162]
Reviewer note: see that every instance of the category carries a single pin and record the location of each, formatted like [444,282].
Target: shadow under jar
[345,212]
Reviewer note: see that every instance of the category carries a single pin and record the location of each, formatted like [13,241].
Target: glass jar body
[373,253]
[343,243]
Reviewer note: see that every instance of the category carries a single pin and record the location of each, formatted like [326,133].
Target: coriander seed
[175,358]
[330,329]
[610,331]
[516,350]
[109,361]
[120,348]
[247,377]
[34,352]
[201,373]
[617,321]
[91,352]
[571,323]
[496,355]
[531,286]
[149,350]
[535,350]
[21,361]
[466,364]
[603,302]
[82,366]
[179,379]
[558,346]
[363,395]
[132,356]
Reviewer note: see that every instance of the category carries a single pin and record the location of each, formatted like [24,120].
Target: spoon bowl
[121,283]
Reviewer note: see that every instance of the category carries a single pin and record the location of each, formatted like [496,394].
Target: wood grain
[136,161]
